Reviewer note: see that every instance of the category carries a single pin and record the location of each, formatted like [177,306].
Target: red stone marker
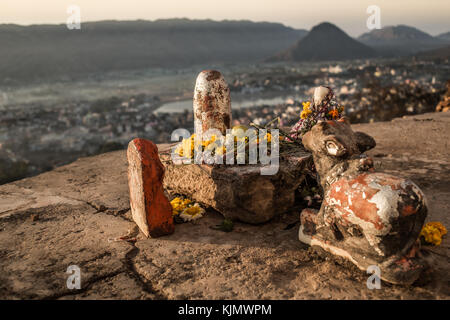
[150,207]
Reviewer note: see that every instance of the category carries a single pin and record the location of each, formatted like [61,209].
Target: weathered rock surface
[67,216]
[239,192]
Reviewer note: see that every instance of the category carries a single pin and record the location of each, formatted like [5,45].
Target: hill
[34,52]
[400,40]
[444,36]
[441,53]
[325,42]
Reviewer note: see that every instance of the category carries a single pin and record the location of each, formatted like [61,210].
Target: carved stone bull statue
[367,217]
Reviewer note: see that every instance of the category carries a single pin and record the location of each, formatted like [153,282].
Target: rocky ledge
[79,215]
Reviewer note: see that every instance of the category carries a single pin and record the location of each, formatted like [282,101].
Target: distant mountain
[38,51]
[325,42]
[441,53]
[400,40]
[444,36]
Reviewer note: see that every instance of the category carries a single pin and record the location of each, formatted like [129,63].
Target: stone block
[150,208]
[239,192]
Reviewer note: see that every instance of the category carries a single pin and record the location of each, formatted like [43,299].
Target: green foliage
[105,105]
[110,146]
[10,171]
[226,225]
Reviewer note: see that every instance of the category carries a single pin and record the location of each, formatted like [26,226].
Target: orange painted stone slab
[150,208]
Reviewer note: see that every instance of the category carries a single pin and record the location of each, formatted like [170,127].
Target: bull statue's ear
[322,124]
[345,120]
[334,148]
[364,142]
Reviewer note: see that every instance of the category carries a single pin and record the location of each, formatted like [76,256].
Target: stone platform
[76,214]
[238,192]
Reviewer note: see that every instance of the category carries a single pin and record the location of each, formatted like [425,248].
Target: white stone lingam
[319,94]
[212,103]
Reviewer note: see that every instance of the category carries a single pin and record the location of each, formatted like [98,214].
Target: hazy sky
[432,16]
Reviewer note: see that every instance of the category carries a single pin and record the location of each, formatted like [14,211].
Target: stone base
[239,192]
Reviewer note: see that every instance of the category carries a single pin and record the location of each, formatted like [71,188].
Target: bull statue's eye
[332,148]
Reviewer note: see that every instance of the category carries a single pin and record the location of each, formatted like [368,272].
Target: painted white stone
[319,94]
[212,103]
